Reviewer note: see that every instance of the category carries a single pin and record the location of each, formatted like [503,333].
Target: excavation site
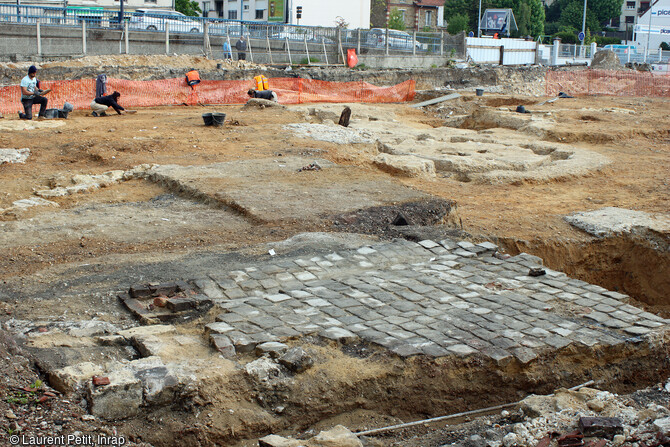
[475,259]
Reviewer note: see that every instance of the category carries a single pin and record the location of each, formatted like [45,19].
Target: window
[429,18]
[402,14]
[630,19]
[260,14]
[205,9]
[630,5]
[232,14]
[246,7]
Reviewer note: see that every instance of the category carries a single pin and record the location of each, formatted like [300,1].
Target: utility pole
[584,23]
[479,20]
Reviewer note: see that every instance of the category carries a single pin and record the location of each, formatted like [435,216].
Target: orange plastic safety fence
[608,82]
[175,91]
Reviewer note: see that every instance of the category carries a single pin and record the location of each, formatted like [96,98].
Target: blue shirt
[30,85]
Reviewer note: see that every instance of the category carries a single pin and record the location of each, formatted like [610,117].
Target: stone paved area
[427,298]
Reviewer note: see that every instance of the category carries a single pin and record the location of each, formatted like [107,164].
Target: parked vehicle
[397,40]
[155,20]
[225,28]
[622,50]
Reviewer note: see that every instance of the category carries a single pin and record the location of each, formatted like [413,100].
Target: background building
[417,14]
[356,13]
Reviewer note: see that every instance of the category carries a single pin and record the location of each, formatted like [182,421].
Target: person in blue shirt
[227,51]
[31,94]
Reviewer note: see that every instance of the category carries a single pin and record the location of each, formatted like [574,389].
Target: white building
[356,13]
[653,27]
[240,9]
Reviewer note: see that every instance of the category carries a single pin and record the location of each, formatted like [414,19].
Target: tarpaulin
[175,91]
[608,82]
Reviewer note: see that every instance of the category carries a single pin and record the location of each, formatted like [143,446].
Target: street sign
[471,34]
[581,36]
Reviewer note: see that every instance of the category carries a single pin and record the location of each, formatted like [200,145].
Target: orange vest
[192,78]
[261,83]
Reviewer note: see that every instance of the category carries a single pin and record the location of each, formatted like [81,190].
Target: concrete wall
[380,61]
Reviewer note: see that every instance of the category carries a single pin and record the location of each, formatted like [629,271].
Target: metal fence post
[167,37]
[309,62]
[386,38]
[325,53]
[83,37]
[269,48]
[125,32]
[413,45]
[288,48]
[251,53]
[339,45]
[442,43]
[39,38]
[358,44]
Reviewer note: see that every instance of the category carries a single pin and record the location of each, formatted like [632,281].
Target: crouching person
[263,94]
[100,104]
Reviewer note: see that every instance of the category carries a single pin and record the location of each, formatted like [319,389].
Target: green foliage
[573,15]
[188,7]
[360,67]
[566,36]
[457,23]
[602,40]
[395,20]
[571,12]
[426,29]
[305,61]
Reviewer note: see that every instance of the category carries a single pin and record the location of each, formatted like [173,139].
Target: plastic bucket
[218,119]
[51,113]
[479,92]
[67,107]
[63,113]
[207,118]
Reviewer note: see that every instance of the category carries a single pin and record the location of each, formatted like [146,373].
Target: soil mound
[606,60]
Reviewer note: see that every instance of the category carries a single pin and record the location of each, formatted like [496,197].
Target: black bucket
[63,113]
[51,113]
[218,119]
[479,91]
[207,118]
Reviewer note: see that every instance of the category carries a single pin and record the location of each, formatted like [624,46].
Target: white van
[155,20]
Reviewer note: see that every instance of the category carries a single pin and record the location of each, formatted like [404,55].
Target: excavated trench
[635,264]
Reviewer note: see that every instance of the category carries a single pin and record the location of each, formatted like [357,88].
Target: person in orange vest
[261,82]
[192,78]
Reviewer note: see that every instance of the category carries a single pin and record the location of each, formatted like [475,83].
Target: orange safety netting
[174,91]
[608,82]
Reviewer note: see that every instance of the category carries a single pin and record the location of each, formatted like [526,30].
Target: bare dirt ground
[136,221]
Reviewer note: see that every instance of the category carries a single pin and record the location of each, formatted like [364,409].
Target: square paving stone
[461,349]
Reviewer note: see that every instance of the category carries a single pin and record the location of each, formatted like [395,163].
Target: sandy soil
[138,219]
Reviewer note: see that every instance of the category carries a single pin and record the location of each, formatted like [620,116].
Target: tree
[188,7]
[396,20]
[457,23]
[340,22]
[573,16]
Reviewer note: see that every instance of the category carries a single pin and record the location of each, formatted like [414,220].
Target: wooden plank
[437,100]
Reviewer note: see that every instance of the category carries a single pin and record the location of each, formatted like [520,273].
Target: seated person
[263,94]
[101,104]
[31,94]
